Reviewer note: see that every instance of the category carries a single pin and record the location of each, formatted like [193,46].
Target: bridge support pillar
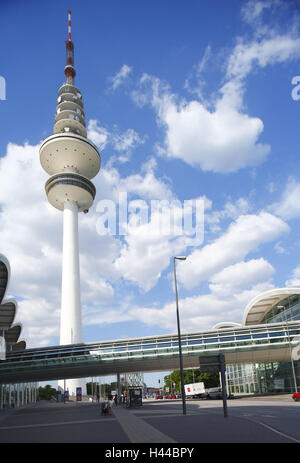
[119,390]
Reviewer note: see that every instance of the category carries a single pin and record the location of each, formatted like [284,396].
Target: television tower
[71,160]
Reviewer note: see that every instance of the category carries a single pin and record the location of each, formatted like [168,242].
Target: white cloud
[222,140]
[97,134]
[122,142]
[201,312]
[232,210]
[218,135]
[195,82]
[243,236]
[241,276]
[288,207]
[295,278]
[261,53]
[120,77]
[148,250]
[253,10]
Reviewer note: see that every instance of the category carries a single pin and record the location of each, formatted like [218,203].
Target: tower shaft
[70,322]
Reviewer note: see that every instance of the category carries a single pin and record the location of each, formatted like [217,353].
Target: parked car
[159,397]
[215,393]
[296,396]
[171,396]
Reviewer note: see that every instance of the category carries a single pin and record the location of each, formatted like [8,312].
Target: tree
[191,376]
[47,392]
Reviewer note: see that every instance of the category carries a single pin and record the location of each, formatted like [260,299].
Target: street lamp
[288,332]
[179,338]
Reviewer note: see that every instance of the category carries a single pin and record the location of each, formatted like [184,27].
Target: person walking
[116,400]
[110,404]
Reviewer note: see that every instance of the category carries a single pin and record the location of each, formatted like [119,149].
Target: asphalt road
[252,420]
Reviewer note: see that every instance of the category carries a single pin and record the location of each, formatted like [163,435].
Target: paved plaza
[259,420]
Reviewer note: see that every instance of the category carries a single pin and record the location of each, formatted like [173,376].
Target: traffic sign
[210,363]
[215,363]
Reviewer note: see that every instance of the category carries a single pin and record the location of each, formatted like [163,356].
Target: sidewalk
[197,426]
[138,430]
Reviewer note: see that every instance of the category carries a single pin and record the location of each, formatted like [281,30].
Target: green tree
[191,376]
[47,392]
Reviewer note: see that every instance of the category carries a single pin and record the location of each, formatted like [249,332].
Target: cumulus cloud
[288,206]
[295,278]
[122,142]
[97,134]
[148,250]
[232,210]
[201,312]
[243,236]
[218,135]
[120,77]
[219,140]
[261,53]
[240,276]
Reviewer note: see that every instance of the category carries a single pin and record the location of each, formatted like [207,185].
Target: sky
[192,104]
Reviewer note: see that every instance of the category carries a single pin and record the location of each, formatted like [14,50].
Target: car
[296,396]
[171,396]
[213,393]
[216,393]
[159,397]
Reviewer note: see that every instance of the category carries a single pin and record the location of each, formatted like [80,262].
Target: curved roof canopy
[12,334]
[21,345]
[260,305]
[224,325]
[7,313]
[8,309]
[4,275]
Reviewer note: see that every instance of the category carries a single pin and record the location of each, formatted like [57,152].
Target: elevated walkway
[258,343]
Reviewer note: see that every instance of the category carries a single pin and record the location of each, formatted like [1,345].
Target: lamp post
[179,338]
[288,332]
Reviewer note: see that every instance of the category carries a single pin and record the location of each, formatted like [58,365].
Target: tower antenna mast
[69,68]
[69,24]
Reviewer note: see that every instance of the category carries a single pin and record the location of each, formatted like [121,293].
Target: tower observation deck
[72,161]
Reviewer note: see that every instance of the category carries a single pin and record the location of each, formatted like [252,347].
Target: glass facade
[16,395]
[263,378]
[286,310]
[273,377]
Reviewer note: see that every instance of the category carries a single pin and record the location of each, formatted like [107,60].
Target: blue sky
[186,101]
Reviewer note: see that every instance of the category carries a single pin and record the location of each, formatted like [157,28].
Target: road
[252,420]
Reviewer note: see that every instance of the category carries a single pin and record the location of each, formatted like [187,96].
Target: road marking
[59,423]
[279,432]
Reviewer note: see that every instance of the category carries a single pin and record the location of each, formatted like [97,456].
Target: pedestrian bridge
[242,344]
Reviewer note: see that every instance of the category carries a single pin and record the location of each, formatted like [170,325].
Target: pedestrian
[110,403]
[116,399]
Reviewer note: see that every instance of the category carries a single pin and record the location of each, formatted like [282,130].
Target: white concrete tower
[71,160]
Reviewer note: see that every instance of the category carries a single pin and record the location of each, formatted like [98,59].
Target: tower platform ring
[70,187]
[63,151]
[71,97]
[75,126]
